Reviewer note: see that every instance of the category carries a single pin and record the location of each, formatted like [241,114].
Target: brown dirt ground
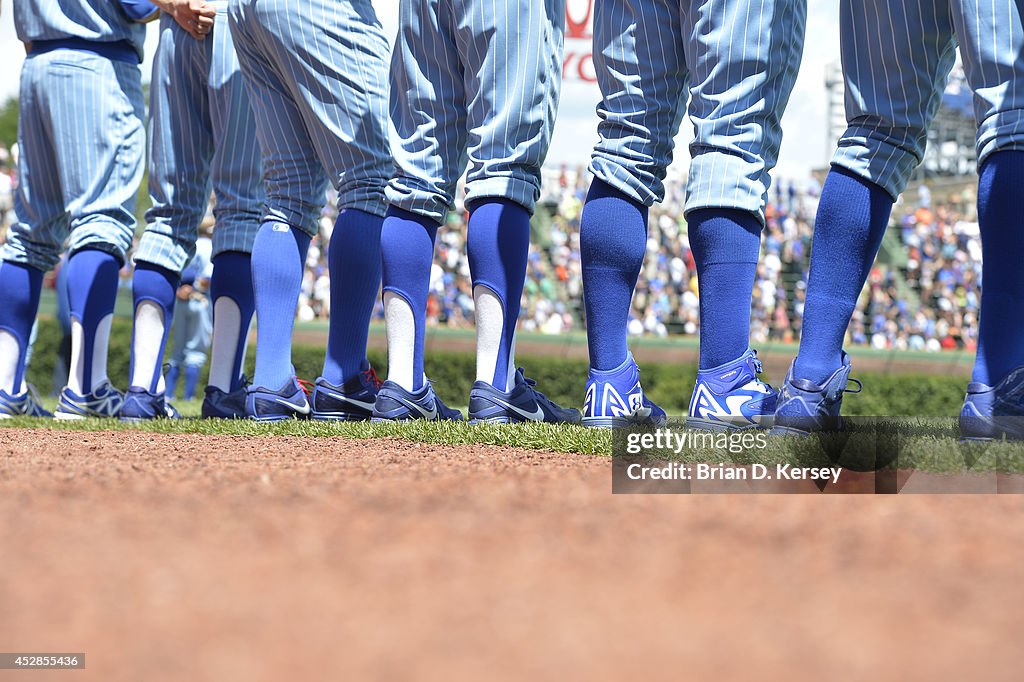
[220,558]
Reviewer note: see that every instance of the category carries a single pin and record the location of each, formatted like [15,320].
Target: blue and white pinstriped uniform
[897,55]
[96,20]
[735,61]
[473,82]
[317,77]
[202,133]
[81,133]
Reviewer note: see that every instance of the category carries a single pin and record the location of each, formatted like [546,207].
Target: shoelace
[860,386]
[33,395]
[758,369]
[371,377]
[306,386]
[533,384]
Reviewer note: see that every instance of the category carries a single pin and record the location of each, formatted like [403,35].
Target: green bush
[561,379]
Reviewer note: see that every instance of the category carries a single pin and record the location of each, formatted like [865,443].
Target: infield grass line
[925,444]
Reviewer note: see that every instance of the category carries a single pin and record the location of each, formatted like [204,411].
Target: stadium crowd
[922,295]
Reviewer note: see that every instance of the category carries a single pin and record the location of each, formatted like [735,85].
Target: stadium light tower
[835,123]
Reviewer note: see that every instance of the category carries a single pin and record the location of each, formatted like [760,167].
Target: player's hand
[195,16]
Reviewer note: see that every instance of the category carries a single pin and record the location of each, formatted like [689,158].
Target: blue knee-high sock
[173,372]
[725,243]
[852,216]
[191,380]
[1001,218]
[157,285]
[278,261]
[92,291]
[232,278]
[21,285]
[498,246]
[353,258]
[613,239]
[407,249]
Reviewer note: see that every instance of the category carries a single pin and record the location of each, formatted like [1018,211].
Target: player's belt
[118,50]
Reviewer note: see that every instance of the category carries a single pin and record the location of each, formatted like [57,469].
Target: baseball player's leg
[429,117]
[294,183]
[349,131]
[34,242]
[743,57]
[511,107]
[100,173]
[238,183]
[176,353]
[896,58]
[991,38]
[642,72]
[197,347]
[181,144]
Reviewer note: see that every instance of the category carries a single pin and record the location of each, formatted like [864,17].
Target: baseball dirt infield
[177,557]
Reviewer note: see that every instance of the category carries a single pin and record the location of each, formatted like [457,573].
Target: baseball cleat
[394,403]
[288,402]
[352,401]
[104,402]
[524,403]
[25,405]
[805,407]
[218,404]
[615,399]
[994,412]
[731,397]
[141,405]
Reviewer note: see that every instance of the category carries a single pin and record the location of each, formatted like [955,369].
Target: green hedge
[562,380]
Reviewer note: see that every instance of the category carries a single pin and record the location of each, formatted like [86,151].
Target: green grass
[571,439]
[925,444]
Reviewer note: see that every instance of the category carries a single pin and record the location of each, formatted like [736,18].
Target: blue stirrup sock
[191,381]
[852,216]
[407,249]
[498,246]
[278,263]
[1001,218]
[234,303]
[171,387]
[153,295]
[726,243]
[354,260]
[21,286]
[92,291]
[613,240]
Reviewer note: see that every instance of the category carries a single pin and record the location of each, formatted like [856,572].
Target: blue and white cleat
[524,403]
[266,405]
[104,402]
[615,399]
[730,397]
[805,407]
[994,412]
[352,401]
[25,405]
[394,403]
[218,404]
[140,405]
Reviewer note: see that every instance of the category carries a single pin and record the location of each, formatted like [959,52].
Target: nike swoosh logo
[358,403]
[536,415]
[430,415]
[300,409]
